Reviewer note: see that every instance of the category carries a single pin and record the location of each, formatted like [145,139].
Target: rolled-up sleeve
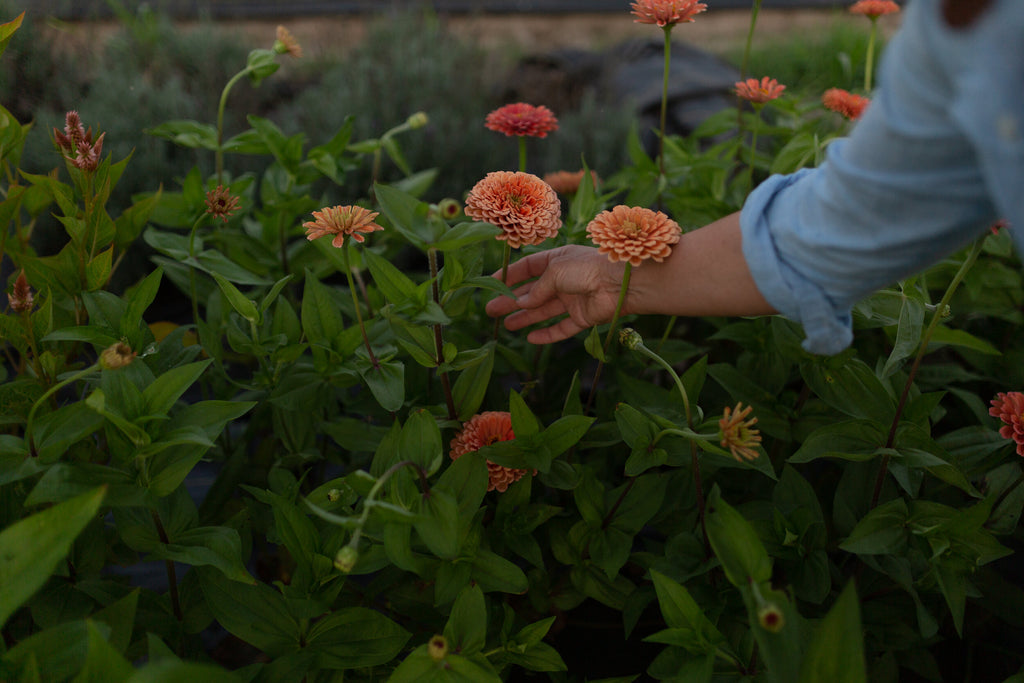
[907,188]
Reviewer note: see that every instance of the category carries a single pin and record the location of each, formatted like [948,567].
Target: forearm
[705,275]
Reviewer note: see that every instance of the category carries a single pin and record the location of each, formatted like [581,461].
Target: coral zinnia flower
[846,103]
[759,92]
[221,203]
[737,432]
[873,9]
[666,12]
[341,221]
[482,430]
[522,119]
[1009,407]
[525,207]
[286,43]
[633,234]
[568,182]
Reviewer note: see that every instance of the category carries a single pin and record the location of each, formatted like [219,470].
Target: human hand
[574,281]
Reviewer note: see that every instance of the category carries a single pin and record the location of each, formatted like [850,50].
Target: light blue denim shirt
[935,159]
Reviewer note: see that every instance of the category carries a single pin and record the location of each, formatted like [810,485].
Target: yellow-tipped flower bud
[438,648]
[630,338]
[418,120]
[346,559]
[770,618]
[449,208]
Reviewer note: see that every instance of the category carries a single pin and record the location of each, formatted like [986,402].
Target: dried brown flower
[220,203]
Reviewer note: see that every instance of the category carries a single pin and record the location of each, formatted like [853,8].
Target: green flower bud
[630,338]
[418,120]
[346,559]
[438,648]
[770,618]
[333,496]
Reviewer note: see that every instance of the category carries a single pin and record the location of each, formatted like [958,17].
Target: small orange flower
[759,92]
[666,12]
[872,9]
[286,43]
[1009,407]
[221,203]
[633,234]
[522,119]
[20,296]
[568,182]
[341,221]
[482,430]
[737,432]
[846,103]
[525,207]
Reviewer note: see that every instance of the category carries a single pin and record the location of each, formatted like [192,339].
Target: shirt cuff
[828,330]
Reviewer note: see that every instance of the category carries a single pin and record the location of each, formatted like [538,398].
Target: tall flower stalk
[872,9]
[758,93]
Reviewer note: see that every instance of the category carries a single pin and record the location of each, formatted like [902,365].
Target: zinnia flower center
[630,229]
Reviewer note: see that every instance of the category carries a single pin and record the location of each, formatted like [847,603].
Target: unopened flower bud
[333,496]
[286,43]
[116,356]
[438,648]
[770,618]
[20,297]
[418,120]
[449,208]
[346,559]
[630,338]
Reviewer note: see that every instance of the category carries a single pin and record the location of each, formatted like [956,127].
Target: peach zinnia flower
[568,182]
[666,12]
[737,433]
[633,234]
[341,221]
[525,207]
[482,430]
[759,92]
[873,9]
[846,103]
[1009,407]
[522,119]
[286,43]
[220,203]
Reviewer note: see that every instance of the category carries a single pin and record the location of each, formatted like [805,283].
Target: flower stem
[172,580]
[222,105]
[750,39]
[355,304]
[664,101]
[925,339]
[753,150]
[869,63]
[522,153]
[438,340]
[611,331]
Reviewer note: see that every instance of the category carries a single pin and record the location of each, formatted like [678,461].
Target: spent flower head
[1009,407]
[737,433]
[634,234]
[20,296]
[341,221]
[759,91]
[568,182]
[286,43]
[220,203]
[522,119]
[872,9]
[666,12]
[845,102]
[525,207]
[771,618]
[116,356]
[482,430]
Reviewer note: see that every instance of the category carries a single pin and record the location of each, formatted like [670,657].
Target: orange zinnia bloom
[846,103]
[873,9]
[1009,407]
[666,12]
[737,433]
[633,234]
[759,92]
[568,182]
[525,207]
[522,119]
[482,430]
[221,203]
[341,221]
[286,43]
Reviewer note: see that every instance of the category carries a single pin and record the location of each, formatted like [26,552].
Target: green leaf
[836,651]
[850,440]
[850,387]
[103,664]
[466,629]
[257,614]
[681,612]
[97,271]
[355,637]
[437,523]
[408,215]
[420,440]
[274,291]
[594,344]
[214,546]
[464,234]
[908,334]
[393,283]
[735,543]
[243,305]
[177,671]
[495,573]
[952,337]
[187,133]
[524,422]
[8,29]
[387,383]
[321,319]
[161,395]
[471,386]
[31,548]
[882,531]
